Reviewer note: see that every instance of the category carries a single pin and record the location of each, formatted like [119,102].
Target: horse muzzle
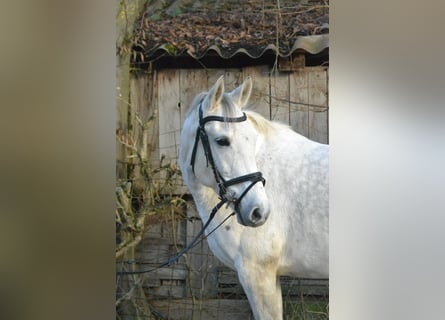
[252,216]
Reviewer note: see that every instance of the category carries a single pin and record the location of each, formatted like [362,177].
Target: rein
[190,246]
[254,177]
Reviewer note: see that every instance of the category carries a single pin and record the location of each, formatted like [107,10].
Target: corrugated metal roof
[311,44]
[229,28]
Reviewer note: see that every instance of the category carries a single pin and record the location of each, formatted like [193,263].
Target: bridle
[201,134]
[222,185]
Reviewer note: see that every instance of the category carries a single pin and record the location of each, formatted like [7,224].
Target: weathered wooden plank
[156,241]
[142,129]
[122,106]
[169,113]
[141,87]
[161,229]
[193,226]
[173,276]
[172,272]
[299,98]
[296,287]
[215,309]
[168,229]
[279,93]
[155,282]
[227,276]
[163,238]
[176,290]
[169,126]
[228,283]
[202,281]
[153,138]
[260,98]
[232,78]
[318,99]
[148,108]
[156,253]
[212,76]
[191,82]
[149,250]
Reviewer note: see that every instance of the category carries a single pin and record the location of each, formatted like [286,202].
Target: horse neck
[283,148]
[205,199]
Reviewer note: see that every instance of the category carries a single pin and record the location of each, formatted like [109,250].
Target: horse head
[218,150]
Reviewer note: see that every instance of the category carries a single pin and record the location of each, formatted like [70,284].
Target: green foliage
[155,17]
[176,12]
[306,309]
[171,49]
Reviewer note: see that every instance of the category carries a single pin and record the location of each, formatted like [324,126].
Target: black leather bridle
[222,183]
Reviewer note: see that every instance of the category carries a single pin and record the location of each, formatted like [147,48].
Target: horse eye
[223,141]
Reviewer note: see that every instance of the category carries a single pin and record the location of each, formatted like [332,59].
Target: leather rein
[254,177]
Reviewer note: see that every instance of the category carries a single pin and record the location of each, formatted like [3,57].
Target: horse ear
[242,94]
[216,93]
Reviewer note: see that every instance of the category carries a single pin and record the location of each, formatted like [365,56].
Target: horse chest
[225,245]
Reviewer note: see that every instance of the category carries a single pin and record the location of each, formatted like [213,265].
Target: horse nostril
[255,215]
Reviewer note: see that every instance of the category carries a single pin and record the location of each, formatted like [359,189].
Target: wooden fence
[299,99]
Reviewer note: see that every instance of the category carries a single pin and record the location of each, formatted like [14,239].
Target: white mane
[262,125]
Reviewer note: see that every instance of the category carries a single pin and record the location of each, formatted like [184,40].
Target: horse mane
[196,101]
[263,125]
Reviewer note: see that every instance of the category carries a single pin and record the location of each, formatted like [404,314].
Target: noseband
[222,184]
